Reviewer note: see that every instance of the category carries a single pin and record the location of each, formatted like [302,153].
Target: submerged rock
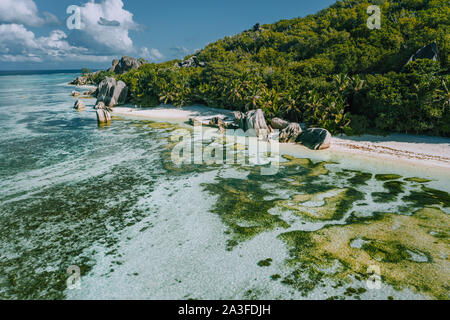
[103,116]
[112,92]
[290,133]
[315,138]
[79,105]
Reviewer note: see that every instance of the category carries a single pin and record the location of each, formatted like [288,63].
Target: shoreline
[425,151]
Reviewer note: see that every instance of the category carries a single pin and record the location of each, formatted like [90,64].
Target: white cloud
[50,18]
[16,39]
[105,37]
[17,44]
[24,12]
[95,42]
[152,54]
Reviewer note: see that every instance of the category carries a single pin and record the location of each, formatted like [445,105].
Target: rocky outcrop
[115,62]
[315,138]
[290,133]
[190,63]
[101,105]
[125,64]
[103,116]
[112,92]
[219,121]
[79,81]
[239,120]
[278,124]
[222,123]
[93,92]
[255,120]
[75,93]
[252,120]
[79,105]
[430,51]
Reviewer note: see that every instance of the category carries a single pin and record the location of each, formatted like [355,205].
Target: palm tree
[443,95]
[290,108]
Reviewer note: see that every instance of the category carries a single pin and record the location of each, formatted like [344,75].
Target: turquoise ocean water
[108,200]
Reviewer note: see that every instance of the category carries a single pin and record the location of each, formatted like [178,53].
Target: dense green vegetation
[328,70]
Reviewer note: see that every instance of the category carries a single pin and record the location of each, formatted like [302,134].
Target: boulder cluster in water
[109,92]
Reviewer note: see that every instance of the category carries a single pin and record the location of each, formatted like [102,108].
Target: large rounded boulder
[103,116]
[112,92]
[278,124]
[255,120]
[315,138]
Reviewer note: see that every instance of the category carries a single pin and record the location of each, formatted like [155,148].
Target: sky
[45,35]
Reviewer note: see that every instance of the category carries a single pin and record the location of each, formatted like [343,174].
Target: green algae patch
[241,206]
[335,204]
[387,177]
[396,244]
[387,251]
[307,267]
[275,277]
[265,263]
[310,169]
[63,223]
[360,178]
[417,180]
[394,189]
[428,197]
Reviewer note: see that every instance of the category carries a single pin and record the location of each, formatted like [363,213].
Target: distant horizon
[37,71]
[41,71]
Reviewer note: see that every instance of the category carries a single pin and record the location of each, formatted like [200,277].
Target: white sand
[171,112]
[417,150]
[424,150]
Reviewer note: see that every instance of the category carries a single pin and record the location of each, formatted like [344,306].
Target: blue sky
[34,34]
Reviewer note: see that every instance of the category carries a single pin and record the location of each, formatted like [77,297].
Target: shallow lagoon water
[110,201]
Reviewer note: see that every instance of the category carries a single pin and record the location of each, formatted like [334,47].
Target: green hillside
[328,70]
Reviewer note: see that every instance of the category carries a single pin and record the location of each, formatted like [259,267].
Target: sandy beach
[171,113]
[425,151]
